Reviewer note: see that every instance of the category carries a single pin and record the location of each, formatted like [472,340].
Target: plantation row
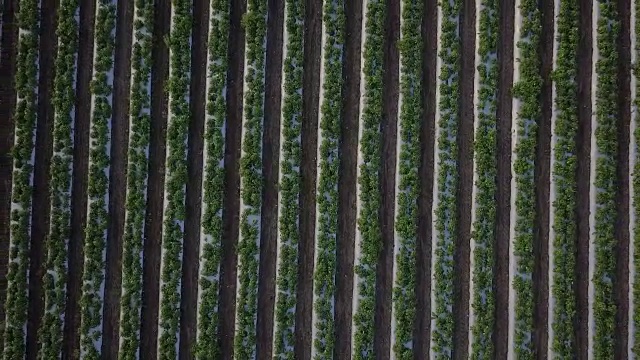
[435,247]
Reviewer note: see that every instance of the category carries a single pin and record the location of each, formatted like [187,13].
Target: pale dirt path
[283,79]
[436,170]
[512,221]
[396,237]
[474,190]
[358,240]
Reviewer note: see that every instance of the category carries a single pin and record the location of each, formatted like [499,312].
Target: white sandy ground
[285,50]
[165,200]
[396,237]
[319,173]
[552,192]
[358,240]
[633,151]
[436,171]
[592,187]
[242,155]
[512,220]
[474,189]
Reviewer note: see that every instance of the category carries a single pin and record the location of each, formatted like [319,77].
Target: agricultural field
[319,179]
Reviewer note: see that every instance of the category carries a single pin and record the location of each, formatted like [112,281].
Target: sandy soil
[396,245]
[285,42]
[436,171]
[514,140]
[476,121]
[552,192]
[358,241]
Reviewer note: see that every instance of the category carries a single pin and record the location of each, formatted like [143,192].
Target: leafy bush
[482,300]
[324,273]
[370,148]
[255,23]
[607,93]
[98,212]
[136,180]
[213,182]
[55,277]
[25,123]
[404,298]
[290,182]
[175,184]
[447,155]
[564,178]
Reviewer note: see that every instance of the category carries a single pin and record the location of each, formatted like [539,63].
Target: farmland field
[319,179]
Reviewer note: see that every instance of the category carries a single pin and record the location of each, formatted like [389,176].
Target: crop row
[176,165]
[482,302]
[98,213]
[608,27]
[404,298]
[447,155]
[255,23]
[527,92]
[325,269]
[213,181]
[564,178]
[290,181]
[370,201]
[25,122]
[635,235]
[55,277]
[136,180]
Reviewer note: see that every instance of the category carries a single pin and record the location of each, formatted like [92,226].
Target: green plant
[324,273]
[290,182]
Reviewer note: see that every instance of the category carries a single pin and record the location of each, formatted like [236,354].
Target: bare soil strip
[117,176]
[308,174]
[71,335]
[193,197]
[155,189]
[621,233]
[41,193]
[465,181]
[348,151]
[503,179]
[422,327]
[231,201]
[583,171]
[387,175]
[270,173]
[7,106]
[542,179]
